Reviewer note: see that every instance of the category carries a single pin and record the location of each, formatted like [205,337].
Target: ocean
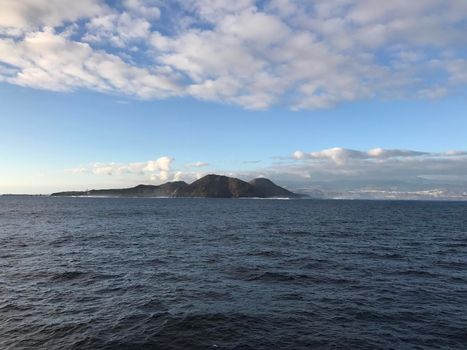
[148,273]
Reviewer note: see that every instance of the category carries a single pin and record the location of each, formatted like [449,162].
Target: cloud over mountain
[254,54]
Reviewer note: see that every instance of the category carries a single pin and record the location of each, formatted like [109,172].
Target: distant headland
[209,186]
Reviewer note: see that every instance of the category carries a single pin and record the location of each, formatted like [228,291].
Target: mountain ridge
[209,186]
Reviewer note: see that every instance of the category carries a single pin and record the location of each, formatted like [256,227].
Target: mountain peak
[217,186]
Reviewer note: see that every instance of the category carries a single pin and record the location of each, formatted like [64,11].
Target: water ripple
[83,273]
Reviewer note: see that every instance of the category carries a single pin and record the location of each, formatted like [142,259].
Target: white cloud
[34,14]
[159,169]
[250,53]
[376,164]
[162,163]
[197,165]
[213,10]
[340,155]
[143,8]
[46,60]
[433,92]
[118,29]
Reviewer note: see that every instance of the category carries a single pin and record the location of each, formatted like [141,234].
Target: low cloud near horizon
[254,54]
[378,163]
[153,170]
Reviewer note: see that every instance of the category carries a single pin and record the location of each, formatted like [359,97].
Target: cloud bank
[378,164]
[255,54]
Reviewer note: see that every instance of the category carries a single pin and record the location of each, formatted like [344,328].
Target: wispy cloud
[197,165]
[341,155]
[250,53]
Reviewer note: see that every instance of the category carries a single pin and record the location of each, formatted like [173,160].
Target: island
[209,186]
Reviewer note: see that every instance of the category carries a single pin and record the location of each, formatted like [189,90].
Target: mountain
[212,186]
[217,186]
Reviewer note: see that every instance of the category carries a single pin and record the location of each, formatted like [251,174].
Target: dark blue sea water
[95,273]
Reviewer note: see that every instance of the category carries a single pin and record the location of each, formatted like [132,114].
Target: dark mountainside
[217,186]
[212,186]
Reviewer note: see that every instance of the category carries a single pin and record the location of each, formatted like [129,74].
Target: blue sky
[102,94]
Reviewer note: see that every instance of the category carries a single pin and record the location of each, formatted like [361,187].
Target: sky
[335,94]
